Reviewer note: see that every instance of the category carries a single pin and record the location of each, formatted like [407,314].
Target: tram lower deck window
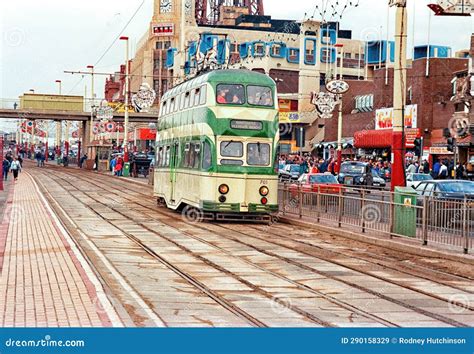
[258,154]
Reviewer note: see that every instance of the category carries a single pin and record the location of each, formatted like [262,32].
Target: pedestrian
[460,171]
[38,158]
[118,167]
[82,160]
[426,166]
[113,163]
[43,158]
[16,168]
[436,168]
[6,169]
[412,168]
[443,171]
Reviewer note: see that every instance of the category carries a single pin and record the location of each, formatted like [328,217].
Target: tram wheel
[192,214]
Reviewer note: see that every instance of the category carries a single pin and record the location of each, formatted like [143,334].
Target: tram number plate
[263,182]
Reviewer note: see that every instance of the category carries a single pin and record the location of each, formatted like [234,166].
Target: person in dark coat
[6,168]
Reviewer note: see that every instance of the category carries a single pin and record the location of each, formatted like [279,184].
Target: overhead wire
[111,44]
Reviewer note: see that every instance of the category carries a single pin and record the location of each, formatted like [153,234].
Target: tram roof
[233,76]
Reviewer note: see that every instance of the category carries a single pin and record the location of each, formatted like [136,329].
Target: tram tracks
[257,289]
[371,257]
[222,233]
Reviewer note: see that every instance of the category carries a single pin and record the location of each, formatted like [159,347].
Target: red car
[324,183]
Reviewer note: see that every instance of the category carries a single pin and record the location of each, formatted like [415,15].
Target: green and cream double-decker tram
[217,146]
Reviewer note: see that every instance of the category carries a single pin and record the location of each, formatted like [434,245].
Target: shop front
[372,144]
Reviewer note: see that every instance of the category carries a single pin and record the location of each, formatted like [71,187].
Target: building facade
[368,112]
[298,56]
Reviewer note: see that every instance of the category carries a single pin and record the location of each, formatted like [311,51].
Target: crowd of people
[440,168]
[311,164]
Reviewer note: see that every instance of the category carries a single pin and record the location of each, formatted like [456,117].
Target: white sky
[41,39]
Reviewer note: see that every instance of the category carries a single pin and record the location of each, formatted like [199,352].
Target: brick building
[429,109]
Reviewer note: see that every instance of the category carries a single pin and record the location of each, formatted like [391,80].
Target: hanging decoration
[144,98]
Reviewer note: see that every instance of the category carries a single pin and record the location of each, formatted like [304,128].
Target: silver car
[414,179]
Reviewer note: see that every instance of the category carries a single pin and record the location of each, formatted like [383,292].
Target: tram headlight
[264,191]
[223,189]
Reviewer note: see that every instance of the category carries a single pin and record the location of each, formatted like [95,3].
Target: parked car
[446,189]
[325,183]
[358,174]
[290,173]
[378,180]
[140,164]
[446,202]
[414,179]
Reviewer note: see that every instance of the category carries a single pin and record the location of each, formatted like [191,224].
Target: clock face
[337,86]
[165,6]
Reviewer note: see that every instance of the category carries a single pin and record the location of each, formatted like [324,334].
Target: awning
[373,139]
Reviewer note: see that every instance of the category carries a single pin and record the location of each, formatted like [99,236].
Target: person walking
[460,171]
[38,158]
[118,167]
[411,168]
[443,171]
[6,169]
[113,163]
[16,168]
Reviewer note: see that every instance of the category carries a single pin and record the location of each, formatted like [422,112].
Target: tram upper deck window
[260,96]
[232,149]
[258,154]
[230,94]
[203,97]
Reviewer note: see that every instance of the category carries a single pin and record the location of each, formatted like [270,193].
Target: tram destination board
[246,125]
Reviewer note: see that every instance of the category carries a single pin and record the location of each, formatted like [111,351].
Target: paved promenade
[44,280]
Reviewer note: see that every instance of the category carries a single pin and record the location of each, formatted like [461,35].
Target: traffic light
[418,147]
[451,142]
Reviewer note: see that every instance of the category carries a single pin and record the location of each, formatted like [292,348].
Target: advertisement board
[384,117]
[289,117]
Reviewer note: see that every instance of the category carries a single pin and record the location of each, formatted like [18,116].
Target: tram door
[174,161]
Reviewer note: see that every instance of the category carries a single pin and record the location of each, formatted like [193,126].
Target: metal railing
[446,222]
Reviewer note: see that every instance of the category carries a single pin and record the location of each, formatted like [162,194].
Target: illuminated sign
[163,29]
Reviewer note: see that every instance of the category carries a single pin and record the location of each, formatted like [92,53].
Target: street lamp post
[399,94]
[91,134]
[127,73]
[339,119]
[59,82]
